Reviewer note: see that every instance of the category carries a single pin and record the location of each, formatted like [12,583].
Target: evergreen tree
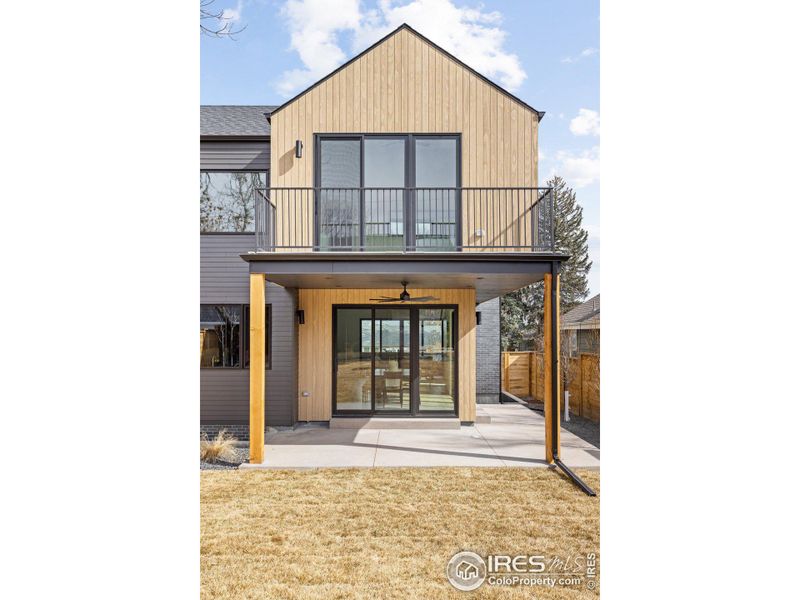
[522,311]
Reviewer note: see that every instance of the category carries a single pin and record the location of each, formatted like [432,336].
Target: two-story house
[356,240]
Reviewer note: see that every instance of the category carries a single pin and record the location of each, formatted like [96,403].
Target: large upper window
[387,192]
[225,336]
[227,200]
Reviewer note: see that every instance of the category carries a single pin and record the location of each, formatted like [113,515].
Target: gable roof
[407,27]
[585,315]
[234,121]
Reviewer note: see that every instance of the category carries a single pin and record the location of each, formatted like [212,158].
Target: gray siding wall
[488,351]
[224,393]
[237,155]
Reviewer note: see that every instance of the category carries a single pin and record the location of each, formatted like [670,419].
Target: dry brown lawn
[384,533]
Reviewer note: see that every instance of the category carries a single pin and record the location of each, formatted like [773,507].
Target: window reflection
[219,335]
[227,200]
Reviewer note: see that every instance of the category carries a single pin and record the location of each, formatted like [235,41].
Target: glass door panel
[384,167]
[353,360]
[435,166]
[392,350]
[339,205]
[436,359]
[395,360]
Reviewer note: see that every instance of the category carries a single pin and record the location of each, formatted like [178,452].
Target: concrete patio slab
[462,448]
[514,437]
[393,423]
[514,427]
[318,447]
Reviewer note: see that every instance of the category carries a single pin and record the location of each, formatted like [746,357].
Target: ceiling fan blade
[423,299]
[384,299]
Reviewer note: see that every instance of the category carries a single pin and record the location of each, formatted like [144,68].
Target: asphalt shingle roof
[587,312]
[219,120]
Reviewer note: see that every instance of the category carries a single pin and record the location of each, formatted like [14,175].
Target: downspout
[556,385]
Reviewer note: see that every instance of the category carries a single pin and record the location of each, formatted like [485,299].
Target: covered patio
[472,277]
[504,435]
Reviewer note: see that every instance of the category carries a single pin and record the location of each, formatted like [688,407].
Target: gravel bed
[242,456]
[585,429]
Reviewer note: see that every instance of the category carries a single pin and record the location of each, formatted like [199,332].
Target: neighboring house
[403,165]
[581,328]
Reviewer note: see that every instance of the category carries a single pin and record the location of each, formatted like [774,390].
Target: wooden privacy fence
[523,376]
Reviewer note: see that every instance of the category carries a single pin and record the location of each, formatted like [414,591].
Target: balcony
[400,220]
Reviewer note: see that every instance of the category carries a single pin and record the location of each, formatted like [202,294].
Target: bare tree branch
[222,27]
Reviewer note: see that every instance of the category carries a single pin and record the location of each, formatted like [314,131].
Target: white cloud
[585,53]
[313,28]
[471,34]
[232,15]
[578,169]
[586,123]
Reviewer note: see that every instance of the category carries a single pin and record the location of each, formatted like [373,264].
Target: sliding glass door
[339,200]
[353,359]
[391,192]
[384,193]
[437,365]
[395,360]
[435,179]
[392,352]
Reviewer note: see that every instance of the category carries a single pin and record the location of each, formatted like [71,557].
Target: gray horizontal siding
[224,393]
[234,155]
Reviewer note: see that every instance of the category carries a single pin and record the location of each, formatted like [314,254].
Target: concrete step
[395,423]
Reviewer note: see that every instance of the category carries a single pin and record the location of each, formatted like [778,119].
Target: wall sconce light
[301,317]
[478,317]
[298,149]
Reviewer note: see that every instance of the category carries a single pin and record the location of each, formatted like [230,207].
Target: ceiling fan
[404,297]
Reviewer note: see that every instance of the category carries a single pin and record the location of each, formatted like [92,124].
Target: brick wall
[240,432]
[488,350]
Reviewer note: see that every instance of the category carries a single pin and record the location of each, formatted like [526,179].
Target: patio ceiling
[491,274]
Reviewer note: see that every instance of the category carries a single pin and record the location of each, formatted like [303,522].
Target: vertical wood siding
[406,85]
[315,350]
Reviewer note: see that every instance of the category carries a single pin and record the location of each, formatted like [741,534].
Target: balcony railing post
[259,223]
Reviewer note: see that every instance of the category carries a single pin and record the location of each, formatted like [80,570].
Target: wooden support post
[258,318]
[552,372]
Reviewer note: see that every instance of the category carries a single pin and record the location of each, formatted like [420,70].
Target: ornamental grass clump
[222,447]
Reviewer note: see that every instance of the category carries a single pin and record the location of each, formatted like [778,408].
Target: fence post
[505,371]
[531,380]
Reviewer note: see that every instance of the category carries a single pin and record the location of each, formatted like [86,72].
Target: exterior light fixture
[478,317]
[301,317]
[298,149]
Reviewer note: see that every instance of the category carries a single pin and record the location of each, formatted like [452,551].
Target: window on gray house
[225,336]
[227,200]
[220,333]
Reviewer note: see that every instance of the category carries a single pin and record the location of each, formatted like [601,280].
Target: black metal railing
[368,219]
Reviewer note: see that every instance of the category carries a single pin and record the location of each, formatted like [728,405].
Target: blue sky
[544,51]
